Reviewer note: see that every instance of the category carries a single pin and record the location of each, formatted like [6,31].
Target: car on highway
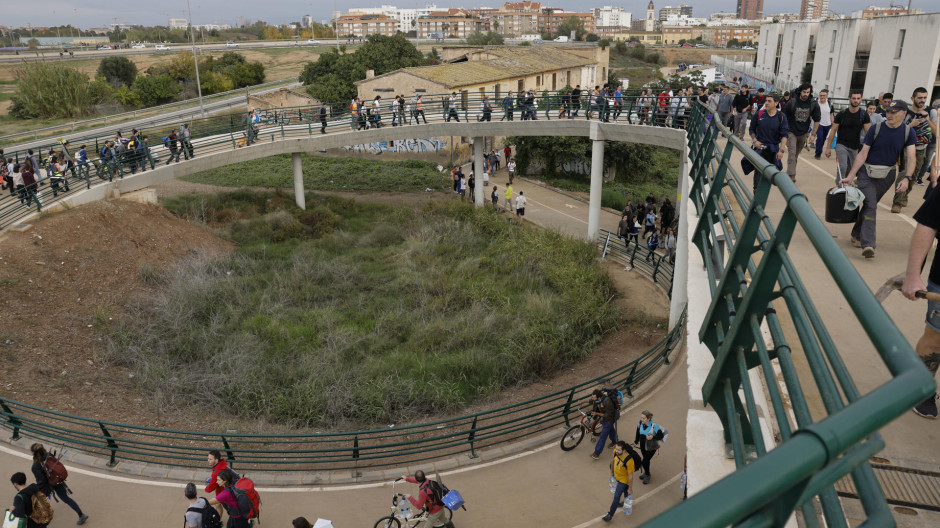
[701,46]
[313,42]
[161,47]
[231,44]
[138,46]
[748,47]
[104,47]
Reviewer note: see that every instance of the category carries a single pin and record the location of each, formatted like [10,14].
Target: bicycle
[575,433]
[396,519]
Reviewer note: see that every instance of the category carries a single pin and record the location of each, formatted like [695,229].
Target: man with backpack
[923,123]
[507,107]
[200,514]
[801,111]
[821,132]
[769,132]
[430,499]
[876,167]
[606,408]
[218,464]
[30,503]
[50,476]
[622,467]
[848,127]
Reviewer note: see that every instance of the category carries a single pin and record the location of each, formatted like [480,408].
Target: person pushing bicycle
[428,499]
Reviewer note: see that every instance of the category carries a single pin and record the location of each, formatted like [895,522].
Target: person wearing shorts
[520,204]
[928,346]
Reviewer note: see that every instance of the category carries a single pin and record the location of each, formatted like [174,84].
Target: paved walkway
[542,487]
[545,486]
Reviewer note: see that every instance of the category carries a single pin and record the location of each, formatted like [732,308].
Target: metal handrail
[226,132]
[758,280]
[397,446]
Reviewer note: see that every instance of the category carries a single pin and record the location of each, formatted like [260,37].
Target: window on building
[901,35]
[894,78]
[832,43]
[829,69]
[521,85]
[790,62]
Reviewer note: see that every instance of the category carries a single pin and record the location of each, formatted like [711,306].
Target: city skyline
[92,13]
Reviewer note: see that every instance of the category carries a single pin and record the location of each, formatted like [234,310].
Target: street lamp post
[192,40]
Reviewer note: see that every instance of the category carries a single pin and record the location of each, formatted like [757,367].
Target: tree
[571,24]
[118,70]
[489,38]
[214,82]
[32,44]
[733,43]
[154,90]
[496,26]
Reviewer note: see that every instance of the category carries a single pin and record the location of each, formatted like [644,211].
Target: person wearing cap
[876,168]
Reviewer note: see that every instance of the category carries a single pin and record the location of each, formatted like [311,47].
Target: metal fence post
[12,419]
[473,434]
[568,407]
[112,445]
[228,449]
[607,243]
[633,255]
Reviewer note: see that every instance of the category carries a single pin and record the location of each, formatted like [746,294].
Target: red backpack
[55,471]
[247,498]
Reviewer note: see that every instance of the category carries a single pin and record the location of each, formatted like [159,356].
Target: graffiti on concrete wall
[401,145]
[574,166]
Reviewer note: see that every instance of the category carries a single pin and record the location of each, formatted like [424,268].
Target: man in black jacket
[23,500]
[741,105]
[801,112]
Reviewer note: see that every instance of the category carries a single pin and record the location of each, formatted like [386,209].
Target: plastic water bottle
[613,485]
[404,508]
[683,482]
[628,505]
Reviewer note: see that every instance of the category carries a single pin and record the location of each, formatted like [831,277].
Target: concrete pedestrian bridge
[791,369]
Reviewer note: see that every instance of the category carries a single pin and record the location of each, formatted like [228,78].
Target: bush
[118,70]
[490,38]
[367,321]
[154,90]
[50,90]
[654,58]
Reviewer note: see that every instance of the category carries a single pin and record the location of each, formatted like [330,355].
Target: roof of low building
[503,63]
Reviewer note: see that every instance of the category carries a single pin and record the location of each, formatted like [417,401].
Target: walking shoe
[868,252]
[606,518]
[595,456]
[82,519]
[896,208]
[645,478]
[919,182]
[856,242]
[815,157]
[928,407]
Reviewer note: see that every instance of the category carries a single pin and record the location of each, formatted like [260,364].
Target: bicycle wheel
[572,438]
[387,522]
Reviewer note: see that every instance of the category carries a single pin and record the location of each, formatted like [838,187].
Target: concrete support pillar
[478,143]
[597,180]
[680,279]
[299,180]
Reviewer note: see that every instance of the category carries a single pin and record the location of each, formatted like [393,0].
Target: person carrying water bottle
[621,478]
[646,433]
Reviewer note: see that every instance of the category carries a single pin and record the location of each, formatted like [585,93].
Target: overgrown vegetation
[365,314]
[334,174]
[638,169]
[490,38]
[636,63]
[46,89]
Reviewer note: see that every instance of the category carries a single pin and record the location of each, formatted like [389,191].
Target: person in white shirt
[520,204]
[825,120]
[511,169]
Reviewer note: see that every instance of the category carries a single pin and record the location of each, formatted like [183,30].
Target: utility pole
[192,40]
[336,25]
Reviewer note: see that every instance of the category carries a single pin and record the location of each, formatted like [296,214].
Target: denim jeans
[609,430]
[874,190]
[821,134]
[621,490]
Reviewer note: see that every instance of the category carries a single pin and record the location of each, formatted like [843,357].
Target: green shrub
[386,315]
[48,90]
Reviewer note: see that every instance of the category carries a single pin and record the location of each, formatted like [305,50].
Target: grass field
[360,314]
[329,174]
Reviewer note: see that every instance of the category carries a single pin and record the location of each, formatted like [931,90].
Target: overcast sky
[96,13]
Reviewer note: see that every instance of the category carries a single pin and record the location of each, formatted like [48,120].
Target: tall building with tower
[649,23]
[751,9]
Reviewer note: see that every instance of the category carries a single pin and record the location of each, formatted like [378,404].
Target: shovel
[895,283]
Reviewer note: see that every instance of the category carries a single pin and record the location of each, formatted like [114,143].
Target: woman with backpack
[648,436]
[226,481]
[50,476]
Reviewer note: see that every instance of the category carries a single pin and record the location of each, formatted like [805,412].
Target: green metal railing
[227,132]
[353,450]
[758,279]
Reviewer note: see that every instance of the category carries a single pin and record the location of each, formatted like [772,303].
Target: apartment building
[721,35]
[365,25]
[457,22]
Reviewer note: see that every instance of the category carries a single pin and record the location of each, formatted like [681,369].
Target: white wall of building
[915,65]
[837,45]
[795,39]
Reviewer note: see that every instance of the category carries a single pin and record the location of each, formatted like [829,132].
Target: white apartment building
[890,54]
[407,18]
[178,23]
[683,20]
[612,16]
[306,21]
